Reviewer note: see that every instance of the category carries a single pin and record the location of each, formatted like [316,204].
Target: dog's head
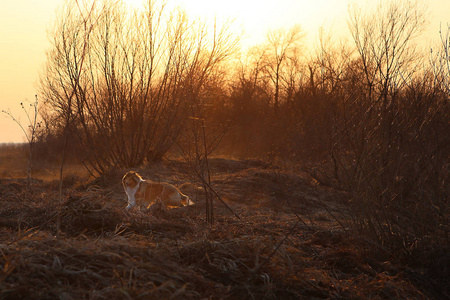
[131,179]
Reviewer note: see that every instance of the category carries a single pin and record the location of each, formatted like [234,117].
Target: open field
[319,170]
[287,244]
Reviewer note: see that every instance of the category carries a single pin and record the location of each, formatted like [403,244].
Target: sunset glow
[139,4]
[24,26]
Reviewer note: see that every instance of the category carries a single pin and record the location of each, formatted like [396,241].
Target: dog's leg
[131,202]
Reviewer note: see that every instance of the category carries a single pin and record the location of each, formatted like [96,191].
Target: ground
[286,241]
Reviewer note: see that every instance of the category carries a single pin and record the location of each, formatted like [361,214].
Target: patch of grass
[105,252]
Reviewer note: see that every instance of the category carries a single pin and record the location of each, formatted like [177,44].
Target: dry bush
[391,144]
[125,89]
[374,120]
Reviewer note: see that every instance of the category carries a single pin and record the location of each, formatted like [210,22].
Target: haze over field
[24,25]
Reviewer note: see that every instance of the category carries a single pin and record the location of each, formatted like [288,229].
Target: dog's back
[169,194]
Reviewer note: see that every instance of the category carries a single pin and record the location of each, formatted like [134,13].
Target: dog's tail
[186,200]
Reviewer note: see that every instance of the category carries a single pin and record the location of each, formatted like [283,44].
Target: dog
[145,193]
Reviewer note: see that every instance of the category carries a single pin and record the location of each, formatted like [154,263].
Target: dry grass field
[287,244]
[319,168]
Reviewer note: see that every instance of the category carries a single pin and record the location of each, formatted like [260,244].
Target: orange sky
[24,24]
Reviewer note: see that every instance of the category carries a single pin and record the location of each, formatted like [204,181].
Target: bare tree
[320,88]
[30,131]
[384,125]
[204,134]
[141,73]
[440,60]
[384,41]
[281,51]
[62,82]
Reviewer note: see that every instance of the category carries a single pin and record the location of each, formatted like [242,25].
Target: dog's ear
[128,174]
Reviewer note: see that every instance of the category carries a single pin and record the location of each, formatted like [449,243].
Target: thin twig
[291,230]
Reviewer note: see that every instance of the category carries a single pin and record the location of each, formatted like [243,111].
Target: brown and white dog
[144,193]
